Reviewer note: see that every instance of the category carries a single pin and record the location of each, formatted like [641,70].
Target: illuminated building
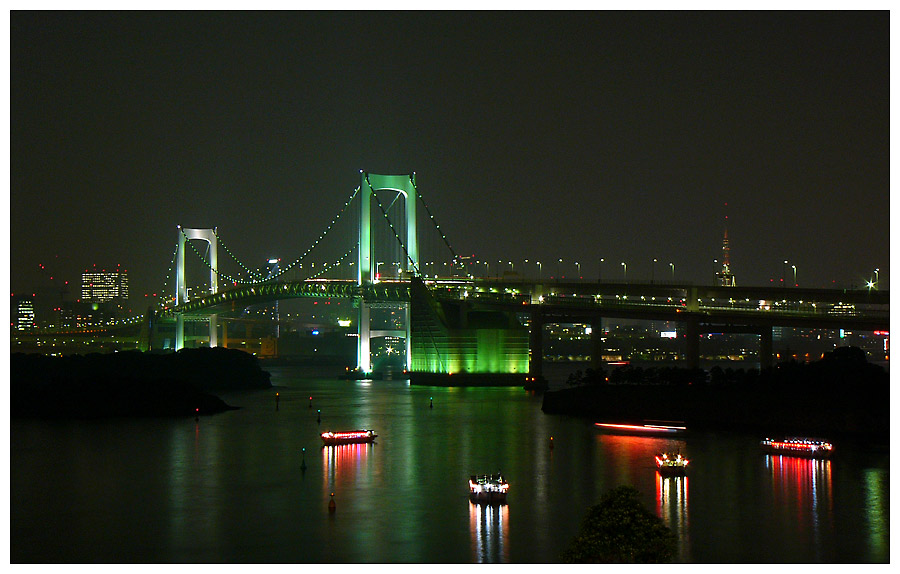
[104,286]
[22,312]
[725,277]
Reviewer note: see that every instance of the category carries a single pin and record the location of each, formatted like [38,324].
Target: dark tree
[620,529]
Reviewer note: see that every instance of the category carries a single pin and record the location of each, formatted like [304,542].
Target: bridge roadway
[571,301]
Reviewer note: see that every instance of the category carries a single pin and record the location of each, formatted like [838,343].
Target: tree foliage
[620,529]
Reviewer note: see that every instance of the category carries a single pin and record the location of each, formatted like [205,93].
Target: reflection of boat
[798,446]
[487,489]
[671,464]
[649,428]
[348,437]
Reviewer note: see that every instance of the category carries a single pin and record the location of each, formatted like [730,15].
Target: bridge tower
[369,184]
[725,276]
[208,235]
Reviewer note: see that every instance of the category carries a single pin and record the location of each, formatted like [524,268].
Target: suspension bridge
[456,323]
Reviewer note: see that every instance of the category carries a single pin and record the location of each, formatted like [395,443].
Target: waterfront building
[104,286]
[22,312]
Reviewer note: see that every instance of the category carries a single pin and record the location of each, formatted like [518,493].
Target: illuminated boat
[331,438]
[798,446]
[671,464]
[655,429]
[487,489]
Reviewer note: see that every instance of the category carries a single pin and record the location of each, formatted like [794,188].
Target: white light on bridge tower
[186,234]
[369,184]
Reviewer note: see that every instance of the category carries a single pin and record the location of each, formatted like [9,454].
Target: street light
[558,261]
[540,272]
[794,267]
[672,265]
[578,266]
[876,280]
[600,270]
[653,271]
[624,272]
[783,272]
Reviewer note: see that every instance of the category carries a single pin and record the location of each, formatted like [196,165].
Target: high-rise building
[22,312]
[104,286]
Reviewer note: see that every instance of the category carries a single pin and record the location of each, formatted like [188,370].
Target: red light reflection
[799,484]
[342,463]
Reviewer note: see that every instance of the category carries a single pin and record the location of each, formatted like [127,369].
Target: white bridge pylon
[369,184]
[208,235]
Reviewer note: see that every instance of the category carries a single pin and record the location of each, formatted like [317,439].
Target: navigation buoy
[197,415]
[431,404]
[319,417]
[310,402]
[551,443]
[331,505]
[277,399]
[303,462]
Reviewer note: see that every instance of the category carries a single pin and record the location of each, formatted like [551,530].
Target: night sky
[539,136]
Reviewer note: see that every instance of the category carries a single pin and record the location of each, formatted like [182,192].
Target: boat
[487,489]
[798,446]
[654,428]
[671,464]
[331,438]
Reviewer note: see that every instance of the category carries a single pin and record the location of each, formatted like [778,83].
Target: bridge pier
[179,331]
[213,330]
[597,344]
[364,329]
[765,348]
[536,344]
[692,350]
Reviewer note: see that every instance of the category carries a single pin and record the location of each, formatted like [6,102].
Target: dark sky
[573,135]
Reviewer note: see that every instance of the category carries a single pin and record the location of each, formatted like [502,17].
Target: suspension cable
[333,265]
[251,272]
[434,221]
[322,236]
[168,275]
[281,272]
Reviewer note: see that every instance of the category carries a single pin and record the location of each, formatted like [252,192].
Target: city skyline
[533,136]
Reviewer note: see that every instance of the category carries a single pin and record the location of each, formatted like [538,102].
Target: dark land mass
[130,383]
[841,395]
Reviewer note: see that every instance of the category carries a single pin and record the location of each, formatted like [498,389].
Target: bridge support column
[406,314]
[536,345]
[213,330]
[179,331]
[765,348]
[692,350]
[597,344]
[364,329]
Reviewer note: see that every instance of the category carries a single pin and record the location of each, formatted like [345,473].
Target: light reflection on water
[672,507]
[231,489]
[489,527]
[801,487]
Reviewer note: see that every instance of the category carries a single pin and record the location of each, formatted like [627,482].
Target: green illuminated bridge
[453,317]
[457,323]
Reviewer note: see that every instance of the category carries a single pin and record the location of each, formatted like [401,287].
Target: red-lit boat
[331,438]
[798,446]
[658,428]
[671,464]
[487,489]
